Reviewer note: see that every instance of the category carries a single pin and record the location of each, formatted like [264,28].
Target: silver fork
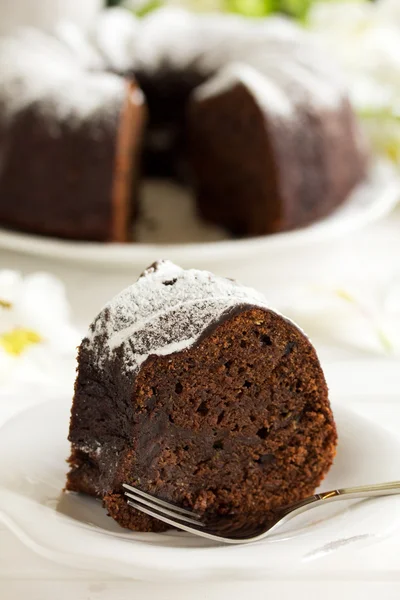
[236,529]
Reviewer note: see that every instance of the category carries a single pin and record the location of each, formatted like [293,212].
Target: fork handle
[349,493]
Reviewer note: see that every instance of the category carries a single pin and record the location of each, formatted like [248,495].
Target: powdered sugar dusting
[305,84]
[36,68]
[168,349]
[114,34]
[169,36]
[269,95]
[69,77]
[79,45]
[282,77]
[165,311]
[229,48]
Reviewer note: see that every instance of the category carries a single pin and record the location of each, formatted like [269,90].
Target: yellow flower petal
[5,304]
[16,341]
[344,295]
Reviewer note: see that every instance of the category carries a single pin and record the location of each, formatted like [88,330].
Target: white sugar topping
[35,67]
[305,84]
[68,76]
[80,46]
[165,311]
[269,95]
[168,36]
[282,74]
[277,60]
[114,35]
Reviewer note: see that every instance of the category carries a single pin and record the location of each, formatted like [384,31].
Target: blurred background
[339,278]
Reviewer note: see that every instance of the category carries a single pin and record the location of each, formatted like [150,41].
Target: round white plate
[74,529]
[371,201]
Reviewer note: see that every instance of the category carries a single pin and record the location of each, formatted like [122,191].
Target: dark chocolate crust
[238,423]
[261,175]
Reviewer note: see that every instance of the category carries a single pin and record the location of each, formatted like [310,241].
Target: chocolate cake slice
[267,158]
[69,169]
[191,388]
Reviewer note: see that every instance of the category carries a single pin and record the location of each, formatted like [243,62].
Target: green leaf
[148,7]
[252,8]
[296,8]
[248,8]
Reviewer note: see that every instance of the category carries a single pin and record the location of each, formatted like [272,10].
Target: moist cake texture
[191,388]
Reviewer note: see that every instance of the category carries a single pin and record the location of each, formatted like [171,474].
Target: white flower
[365,38]
[37,341]
[348,314]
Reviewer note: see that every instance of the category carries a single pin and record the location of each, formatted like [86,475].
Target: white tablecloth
[368,384]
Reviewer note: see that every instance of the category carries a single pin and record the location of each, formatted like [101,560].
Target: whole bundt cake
[191,388]
[248,113]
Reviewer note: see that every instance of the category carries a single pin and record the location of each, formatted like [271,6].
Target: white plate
[74,530]
[370,202]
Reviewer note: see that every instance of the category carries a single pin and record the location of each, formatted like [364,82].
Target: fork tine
[157,502]
[161,510]
[168,517]
[196,529]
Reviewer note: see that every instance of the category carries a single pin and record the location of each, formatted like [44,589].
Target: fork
[236,529]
